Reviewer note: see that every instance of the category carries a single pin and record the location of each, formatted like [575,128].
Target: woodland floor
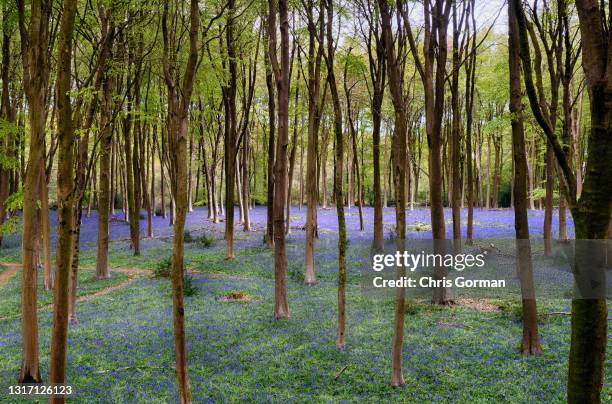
[121,350]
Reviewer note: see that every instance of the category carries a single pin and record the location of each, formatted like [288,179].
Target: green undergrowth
[122,346]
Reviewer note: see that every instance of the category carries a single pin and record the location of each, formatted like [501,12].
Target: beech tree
[179,87]
[65,197]
[7,113]
[591,210]
[281,76]
[530,343]
[432,70]
[338,169]
[315,106]
[230,125]
[269,236]
[36,69]
[396,85]
[376,91]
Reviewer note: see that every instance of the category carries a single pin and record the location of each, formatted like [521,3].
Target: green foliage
[189,288]
[295,271]
[205,241]
[10,226]
[163,267]
[13,203]
[511,309]
[200,203]
[414,307]
[540,193]
[187,237]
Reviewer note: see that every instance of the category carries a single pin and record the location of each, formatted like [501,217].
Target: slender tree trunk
[292,157]
[48,273]
[230,143]
[354,162]
[238,185]
[324,170]
[113,178]
[35,57]
[190,176]
[338,168]
[149,199]
[359,181]
[496,171]
[245,182]
[455,172]
[179,100]
[488,195]
[530,344]
[470,83]
[153,203]
[314,79]
[7,113]
[548,200]
[105,198]
[269,236]
[65,184]
[281,74]
[130,180]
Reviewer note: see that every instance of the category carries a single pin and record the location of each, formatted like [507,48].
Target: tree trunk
[530,344]
[105,199]
[470,82]
[281,74]
[548,200]
[179,100]
[399,179]
[339,148]
[65,194]
[591,216]
[314,80]
[455,172]
[591,212]
[269,236]
[48,273]
[7,113]
[245,182]
[130,181]
[324,170]
[190,176]
[35,57]
[292,157]
[229,101]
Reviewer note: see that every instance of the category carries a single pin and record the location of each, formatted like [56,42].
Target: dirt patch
[478,304]
[7,274]
[102,292]
[132,274]
[236,297]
